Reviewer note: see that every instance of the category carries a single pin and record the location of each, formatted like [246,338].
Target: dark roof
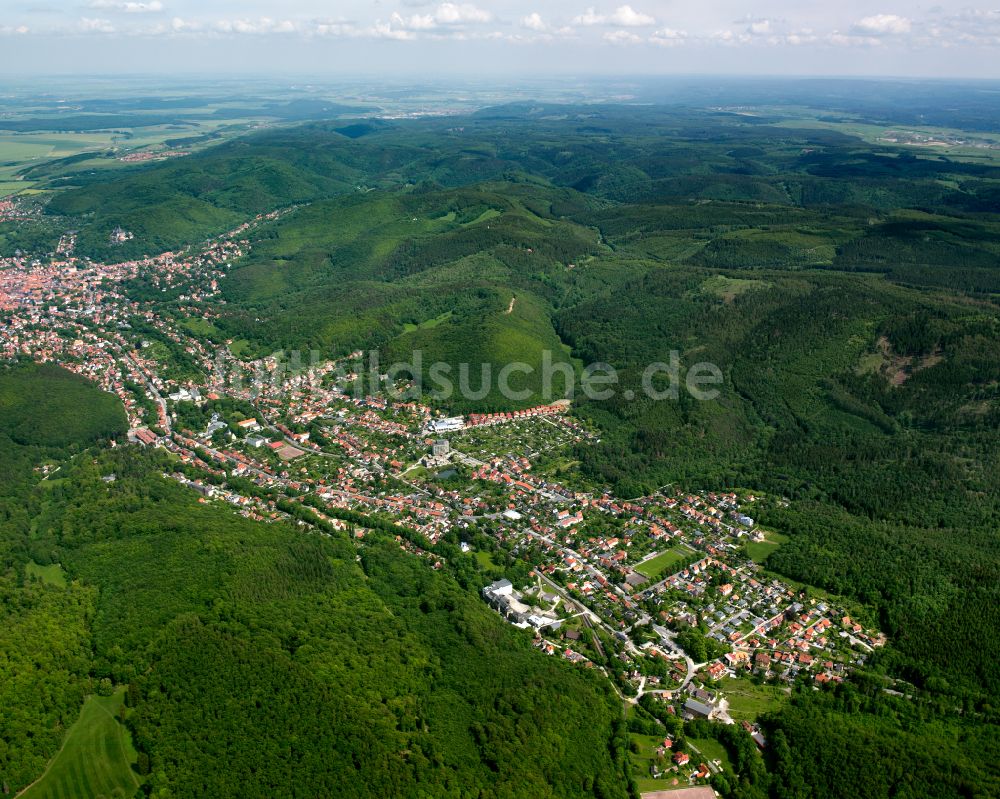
[699,708]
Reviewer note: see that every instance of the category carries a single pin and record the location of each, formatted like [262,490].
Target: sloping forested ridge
[38,424]
[891,468]
[272,651]
[279,653]
[44,634]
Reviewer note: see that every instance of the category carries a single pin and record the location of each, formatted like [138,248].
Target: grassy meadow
[95,759]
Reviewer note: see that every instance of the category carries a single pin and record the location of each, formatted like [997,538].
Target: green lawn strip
[748,700]
[95,759]
[654,567]
[711,750]
[50,575]
[759,550]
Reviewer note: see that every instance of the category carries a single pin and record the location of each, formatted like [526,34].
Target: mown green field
[710,750]
[663,562]
[409,327]
[729,288]
[95,761]
[52,574]
[485,559]
[747,700]
[643,759]
[200,327]
[760,550]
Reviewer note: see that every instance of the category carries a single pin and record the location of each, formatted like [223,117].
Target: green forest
[291,657]
[847,291]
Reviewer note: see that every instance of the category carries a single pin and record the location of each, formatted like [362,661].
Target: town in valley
[664,593]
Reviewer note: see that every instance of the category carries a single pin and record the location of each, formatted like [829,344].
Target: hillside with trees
[847,290]
[294,658]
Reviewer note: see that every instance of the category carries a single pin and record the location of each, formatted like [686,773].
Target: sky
[538,38]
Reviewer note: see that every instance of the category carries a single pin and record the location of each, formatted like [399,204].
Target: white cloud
[612,22]
[13,30]
[534,22]
[179,25]
[446,15]
[93,25]
[872,31]
[970,26]
[668,37]
[590,17]
[800,37]
[622,37]
[466,13]
[843,40]
[153,6]
[384,30]
[623,17]
[334,27]
[882,25]
[628,17]
[417,22]
[255,26]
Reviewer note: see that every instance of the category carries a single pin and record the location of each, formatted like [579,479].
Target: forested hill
[294,659]
[617,153]
[847,289]
[39,425]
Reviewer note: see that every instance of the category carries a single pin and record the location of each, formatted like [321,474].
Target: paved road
[149,385]
[668,641]
[665,635]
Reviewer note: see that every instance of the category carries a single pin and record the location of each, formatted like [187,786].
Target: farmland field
[27,147]
[8,187]
[95,759]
